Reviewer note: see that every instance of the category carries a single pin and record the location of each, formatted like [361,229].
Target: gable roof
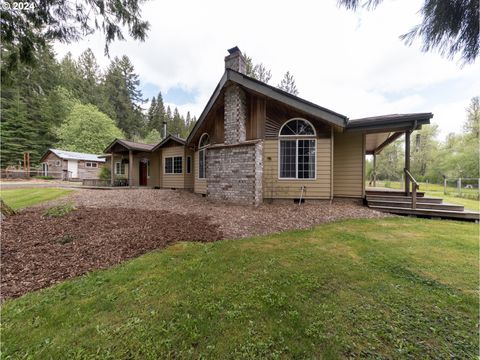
[130,145]
[71,155]
[167,139]
[272,92]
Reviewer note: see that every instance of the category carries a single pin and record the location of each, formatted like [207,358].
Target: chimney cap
[234,50]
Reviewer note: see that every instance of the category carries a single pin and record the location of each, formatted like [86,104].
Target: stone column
[235,117]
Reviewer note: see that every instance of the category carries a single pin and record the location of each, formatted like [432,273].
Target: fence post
[459,186]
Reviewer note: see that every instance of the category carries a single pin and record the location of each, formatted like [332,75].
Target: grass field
[435,190]
[22,198]
[390,288]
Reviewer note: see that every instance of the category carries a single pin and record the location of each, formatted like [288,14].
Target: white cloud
[342,60]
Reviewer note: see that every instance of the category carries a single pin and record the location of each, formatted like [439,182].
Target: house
[255,142]
[69,165]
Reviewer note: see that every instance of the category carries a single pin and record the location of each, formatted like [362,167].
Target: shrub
[105,173]
[60,210]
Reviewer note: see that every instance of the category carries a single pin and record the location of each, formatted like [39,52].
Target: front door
[45,169]
[143,173]
[73,168]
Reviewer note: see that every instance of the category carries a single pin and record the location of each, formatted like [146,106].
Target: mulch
[38,251]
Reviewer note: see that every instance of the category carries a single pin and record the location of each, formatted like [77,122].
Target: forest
[75,105]
[432,159]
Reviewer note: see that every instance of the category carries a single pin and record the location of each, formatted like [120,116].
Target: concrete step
[404,198]
[444,214]
[420,205]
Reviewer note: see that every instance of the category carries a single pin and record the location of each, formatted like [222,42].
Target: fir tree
[288,84]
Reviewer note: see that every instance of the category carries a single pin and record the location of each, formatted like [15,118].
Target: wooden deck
[397,202]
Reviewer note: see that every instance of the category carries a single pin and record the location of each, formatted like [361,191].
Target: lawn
[436,190]
[22,198]
[390,288]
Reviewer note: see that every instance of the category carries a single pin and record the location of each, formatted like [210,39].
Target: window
[119,169]
[189,164]
[58,163]
[202,144]
[173,165]
[297,155]
[91,165]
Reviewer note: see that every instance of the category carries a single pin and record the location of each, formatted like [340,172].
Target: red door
[143,173]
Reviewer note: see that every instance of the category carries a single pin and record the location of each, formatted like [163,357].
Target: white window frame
[296,138]
[188,169]
[202,152]
[91,164]
[173,165]
[120,167]
[58,163]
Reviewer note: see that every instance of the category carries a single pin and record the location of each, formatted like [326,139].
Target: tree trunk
[6,210]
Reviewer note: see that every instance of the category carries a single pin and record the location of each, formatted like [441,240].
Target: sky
[350,62]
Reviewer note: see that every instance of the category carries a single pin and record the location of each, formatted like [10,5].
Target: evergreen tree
[288,84]
[124,97]
[25,125]
[257,71]
[89,72]
[156,114]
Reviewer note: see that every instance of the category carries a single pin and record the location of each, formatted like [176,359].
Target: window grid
[173,165]
[201,164]
[297,159]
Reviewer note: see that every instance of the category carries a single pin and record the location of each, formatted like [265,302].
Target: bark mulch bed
[37,251]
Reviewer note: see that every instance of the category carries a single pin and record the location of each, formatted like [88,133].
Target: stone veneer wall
[235,117]
[234,173]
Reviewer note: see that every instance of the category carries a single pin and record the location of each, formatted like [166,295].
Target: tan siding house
[254,142]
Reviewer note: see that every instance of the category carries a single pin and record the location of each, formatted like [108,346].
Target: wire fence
[39,174]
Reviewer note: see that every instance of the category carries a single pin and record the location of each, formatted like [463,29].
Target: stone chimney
[235,101]
[235,60]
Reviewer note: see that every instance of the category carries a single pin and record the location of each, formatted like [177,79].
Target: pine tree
[89,72]
[288,84]
[124,97]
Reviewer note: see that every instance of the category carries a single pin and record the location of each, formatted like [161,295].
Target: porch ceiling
[376,142]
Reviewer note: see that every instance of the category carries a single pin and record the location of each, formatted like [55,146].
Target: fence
[462,187]
[23,174]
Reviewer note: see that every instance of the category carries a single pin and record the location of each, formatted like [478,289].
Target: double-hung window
[119,168]
[173,165]
[297,150]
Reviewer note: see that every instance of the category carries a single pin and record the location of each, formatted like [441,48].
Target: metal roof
[71,155]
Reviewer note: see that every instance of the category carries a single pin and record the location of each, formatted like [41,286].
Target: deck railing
[415,187]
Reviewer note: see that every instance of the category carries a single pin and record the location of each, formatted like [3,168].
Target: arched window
[297,150]
[202,144]
[297,127]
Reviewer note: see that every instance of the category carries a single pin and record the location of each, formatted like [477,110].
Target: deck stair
[416,203]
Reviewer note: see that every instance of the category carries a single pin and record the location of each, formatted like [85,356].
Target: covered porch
[130,163]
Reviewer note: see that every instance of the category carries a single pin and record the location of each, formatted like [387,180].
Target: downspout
[331,164]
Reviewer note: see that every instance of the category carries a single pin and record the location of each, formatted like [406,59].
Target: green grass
[436,190]
[22,198]
[390,288]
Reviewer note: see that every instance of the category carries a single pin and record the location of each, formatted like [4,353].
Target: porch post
[407,161]
[374,170]
[130,168]
[112,170]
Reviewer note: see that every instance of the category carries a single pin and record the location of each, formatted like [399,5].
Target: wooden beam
[130,168]
[112,170]
[387,142]
[407,161]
